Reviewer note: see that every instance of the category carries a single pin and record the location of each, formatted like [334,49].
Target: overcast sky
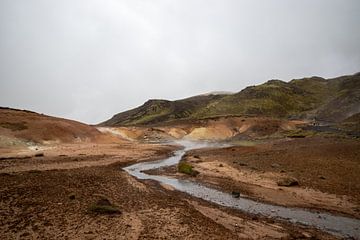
[89,59]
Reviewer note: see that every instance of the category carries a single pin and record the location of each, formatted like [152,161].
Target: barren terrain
[54,202]
[61,179]
[326,169]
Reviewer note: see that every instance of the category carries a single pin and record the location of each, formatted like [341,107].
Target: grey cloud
[89,59]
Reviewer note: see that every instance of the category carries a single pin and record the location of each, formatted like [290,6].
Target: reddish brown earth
[54,204]
[20,127]
[53,171]
[327,170]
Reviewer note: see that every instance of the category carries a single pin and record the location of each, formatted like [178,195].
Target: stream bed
[334,224]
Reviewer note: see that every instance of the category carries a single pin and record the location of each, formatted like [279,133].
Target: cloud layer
[89,59]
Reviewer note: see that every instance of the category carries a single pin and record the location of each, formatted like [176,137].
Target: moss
[299,133]
[186,168]
[244,143]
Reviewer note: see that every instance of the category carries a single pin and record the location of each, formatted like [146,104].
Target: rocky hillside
[330,100]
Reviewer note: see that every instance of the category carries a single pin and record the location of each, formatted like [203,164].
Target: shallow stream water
[337,225]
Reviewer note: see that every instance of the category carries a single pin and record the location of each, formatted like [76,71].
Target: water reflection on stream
[338,225]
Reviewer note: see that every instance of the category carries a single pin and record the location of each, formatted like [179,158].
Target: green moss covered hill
[331,100]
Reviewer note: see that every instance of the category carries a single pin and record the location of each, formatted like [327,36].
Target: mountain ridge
[331,100]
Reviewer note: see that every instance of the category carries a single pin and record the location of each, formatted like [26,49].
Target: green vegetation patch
[244,143]
[186,168]
[299,133]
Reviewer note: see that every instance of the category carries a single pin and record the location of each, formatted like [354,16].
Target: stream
[337,225]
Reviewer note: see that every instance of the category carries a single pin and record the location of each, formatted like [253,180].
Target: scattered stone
[104,201]
[25,234]
[242,164]
[39,154]
[282,171]
[235,194]
[196,156]
[72,196]
[220,165]
[288,182]
[104,206]
[322,177]
[275,165]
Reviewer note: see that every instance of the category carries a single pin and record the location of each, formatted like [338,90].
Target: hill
[20,127]
[330,100]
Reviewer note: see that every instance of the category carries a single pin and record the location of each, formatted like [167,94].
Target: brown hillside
[25,126]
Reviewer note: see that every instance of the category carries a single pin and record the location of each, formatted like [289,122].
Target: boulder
[288,182]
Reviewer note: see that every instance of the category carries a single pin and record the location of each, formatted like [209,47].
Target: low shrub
[186,168]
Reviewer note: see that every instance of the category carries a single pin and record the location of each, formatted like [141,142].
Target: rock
[39,154]
[72,196]
[322,177]
[288,182]
[235,194]
[275,165]
[220,165]
[240,163]
[103,202]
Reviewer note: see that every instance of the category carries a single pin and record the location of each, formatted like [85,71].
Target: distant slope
[154,111]
[308,98]
[21,127]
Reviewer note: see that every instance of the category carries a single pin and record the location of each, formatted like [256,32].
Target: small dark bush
[186,168]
